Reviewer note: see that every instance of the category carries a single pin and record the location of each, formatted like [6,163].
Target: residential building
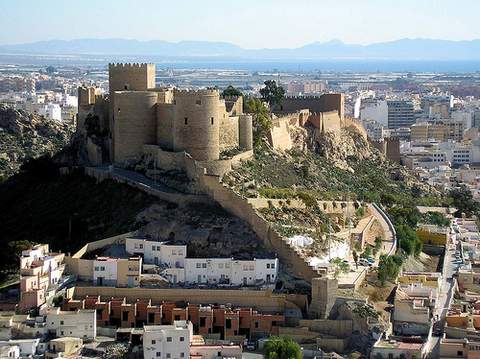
[156,252]
[180,269]
[226,322]
[81,323]
[459,348]
[20,347]
[203,351]
[40,275]
[9,351]
[374,109]
[230,271]
[412,313]
[397,349]
[167,341]
[121,272]
[64,347]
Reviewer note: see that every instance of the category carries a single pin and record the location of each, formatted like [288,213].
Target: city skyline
[349,21]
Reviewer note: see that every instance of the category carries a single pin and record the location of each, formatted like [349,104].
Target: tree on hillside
[388,268]
[231,91]
[463,201]
[408,240]
[272,93]
[262,122]
[281,348]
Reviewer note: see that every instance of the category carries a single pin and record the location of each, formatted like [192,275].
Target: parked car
[364,262]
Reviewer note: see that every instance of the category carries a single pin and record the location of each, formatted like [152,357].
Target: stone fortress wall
[198,122]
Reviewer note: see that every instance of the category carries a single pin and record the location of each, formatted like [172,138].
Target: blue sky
[248,23]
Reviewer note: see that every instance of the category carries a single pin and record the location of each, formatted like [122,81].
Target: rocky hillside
[336,166]
[24,136]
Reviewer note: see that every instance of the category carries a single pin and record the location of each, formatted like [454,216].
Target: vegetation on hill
[282,348]
[283,175]
[24,136]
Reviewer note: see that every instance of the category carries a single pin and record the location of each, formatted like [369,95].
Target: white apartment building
[180,269]
[52,111]
[9,351]
[80,324]
[231,271]
[167,341]
[374,109]
[21,347]
[155,252]
[105,271]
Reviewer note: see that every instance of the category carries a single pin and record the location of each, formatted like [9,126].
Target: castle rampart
[196,123]
[134,123]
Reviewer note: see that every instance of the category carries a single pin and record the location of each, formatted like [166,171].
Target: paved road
[136,177]
[444,298]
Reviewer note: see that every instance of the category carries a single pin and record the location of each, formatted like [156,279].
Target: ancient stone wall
[279,135]
[131,77]
[316,104]
[245,132]
[239,207]
[134,123]
[196,123]
[229,132]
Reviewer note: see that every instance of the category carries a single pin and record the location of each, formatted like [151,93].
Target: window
[203,321]
[102,268]
[153,248]
[141,246]
[61,322]
[256,324]
[228,323]
[154,341]
[96,268]
[174,252]
[169,355]
[268,265]
[204,265]
[169,339]
[182,355]
[158,248]
[273,266]
[182,339]
[186,120]
[198,265]
[198,102]
[220,265]
[211,120]
[180,253]
[125,316]
[159,354]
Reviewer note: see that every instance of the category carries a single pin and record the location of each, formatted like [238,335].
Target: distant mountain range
[404,49]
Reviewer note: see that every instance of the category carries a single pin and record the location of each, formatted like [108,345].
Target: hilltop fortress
[171,126]
[136,113]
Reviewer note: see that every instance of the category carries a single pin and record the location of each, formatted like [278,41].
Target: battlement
[127,66]
[194,93]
